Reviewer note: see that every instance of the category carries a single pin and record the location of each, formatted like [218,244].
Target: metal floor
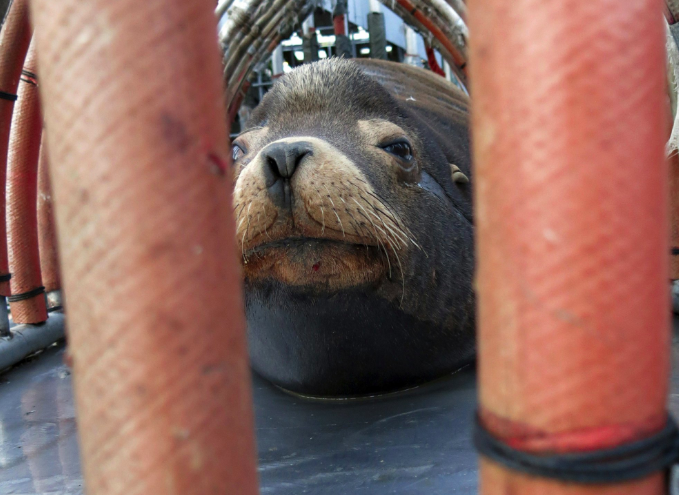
[417,442]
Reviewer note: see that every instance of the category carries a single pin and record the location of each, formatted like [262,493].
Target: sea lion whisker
[238,214]
[407,233]
[358,228]
[401,241]
[394,216]
[386,234]
[397,224]
[249,216]
[377,238]
[242,244]
[334,210]
[403,277]
[394,229]
[266,232]
[322,212]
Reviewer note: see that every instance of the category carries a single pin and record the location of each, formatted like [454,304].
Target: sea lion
[353,212]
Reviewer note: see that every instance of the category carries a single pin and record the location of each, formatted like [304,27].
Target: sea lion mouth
[300,242]
[321,263]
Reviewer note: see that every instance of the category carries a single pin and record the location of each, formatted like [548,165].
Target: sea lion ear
[457,174]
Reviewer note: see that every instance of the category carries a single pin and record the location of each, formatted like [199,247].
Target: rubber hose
[137,139]
[15,37]
[22,192]
[571,224]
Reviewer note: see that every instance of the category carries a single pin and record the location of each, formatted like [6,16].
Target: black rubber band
[26,295]
[626,462]
[5,278]
[674,251]
[8,96]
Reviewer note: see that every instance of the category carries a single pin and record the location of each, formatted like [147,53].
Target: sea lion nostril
[283,158]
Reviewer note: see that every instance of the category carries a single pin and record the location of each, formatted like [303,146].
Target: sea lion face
[336,213]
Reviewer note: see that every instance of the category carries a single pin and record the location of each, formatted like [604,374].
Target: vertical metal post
[340,23]
[377,30]
[277,62]
[47,234]
[448,71]
[411,57]
[571,230]
[309,40]
[138,144]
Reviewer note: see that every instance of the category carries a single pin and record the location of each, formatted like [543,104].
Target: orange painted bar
[571,226]
[47,232]
[138,145]
[14,40]
[22,202]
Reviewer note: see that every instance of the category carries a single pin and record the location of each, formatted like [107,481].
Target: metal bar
[276,64]
[29,339]
[571,226]
[22,201]
[378,37]
[141,185]
[47,234]
[412,57]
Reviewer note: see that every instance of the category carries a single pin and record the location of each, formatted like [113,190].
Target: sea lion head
[353,219]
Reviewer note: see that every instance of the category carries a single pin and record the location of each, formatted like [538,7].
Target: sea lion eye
[237,152]
[400,149]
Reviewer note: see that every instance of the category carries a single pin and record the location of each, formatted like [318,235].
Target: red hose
[14,40]
[433,63]
[138,145]
[22,189]
[47,233]
[568,131]
[437,33]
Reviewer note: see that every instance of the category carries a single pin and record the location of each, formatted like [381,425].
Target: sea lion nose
[283,158]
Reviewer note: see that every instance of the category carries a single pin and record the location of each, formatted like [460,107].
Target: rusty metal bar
[138,145]
[27,302]
[569,122]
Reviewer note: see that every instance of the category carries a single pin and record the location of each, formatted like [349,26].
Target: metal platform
[412,443]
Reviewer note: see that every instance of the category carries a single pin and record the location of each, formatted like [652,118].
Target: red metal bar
[22,192]
[133,104]
[14,40]
[568,126]
[49,256]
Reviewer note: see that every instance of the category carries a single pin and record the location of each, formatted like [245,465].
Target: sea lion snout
[282,159]
[307,215]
